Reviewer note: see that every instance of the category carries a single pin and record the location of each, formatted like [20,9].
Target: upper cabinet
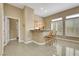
[32,21]
[38,22]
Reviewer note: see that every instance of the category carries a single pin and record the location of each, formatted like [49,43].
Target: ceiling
[46,9]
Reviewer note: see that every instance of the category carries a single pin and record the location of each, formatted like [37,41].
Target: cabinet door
[76,52]
[69,51]
[59,50]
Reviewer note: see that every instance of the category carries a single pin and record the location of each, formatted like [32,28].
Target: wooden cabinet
[38,22]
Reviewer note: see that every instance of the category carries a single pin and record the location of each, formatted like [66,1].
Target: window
[72,27]
[57,26]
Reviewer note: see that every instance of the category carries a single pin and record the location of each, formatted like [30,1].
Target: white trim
[9,41]
[35,42]
[57,19]
[74,41]
[39,43]
[18,25]
[6,43]
[28,42]
[13,39]
[6,31]
[2,31]
[21,41]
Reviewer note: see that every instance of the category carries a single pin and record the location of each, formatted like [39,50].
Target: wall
[63,14]
[15,12]
[13,28]
[29,23]
[27,19]
[1,37]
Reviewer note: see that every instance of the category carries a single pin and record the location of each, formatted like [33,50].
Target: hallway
[20,49]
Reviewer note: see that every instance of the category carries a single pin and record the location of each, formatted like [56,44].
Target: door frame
[6,31]
[19,32]
[2,41]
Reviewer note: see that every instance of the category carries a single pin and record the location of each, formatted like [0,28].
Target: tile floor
[20,49]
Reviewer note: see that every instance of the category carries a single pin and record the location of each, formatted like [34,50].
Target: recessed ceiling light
[42,8]
[45,11]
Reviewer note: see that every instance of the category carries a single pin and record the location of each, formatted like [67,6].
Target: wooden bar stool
[50,39]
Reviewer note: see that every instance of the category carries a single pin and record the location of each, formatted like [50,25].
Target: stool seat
[50,40]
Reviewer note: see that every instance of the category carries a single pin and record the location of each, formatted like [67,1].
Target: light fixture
[42,8]
[57,19]
[72,16]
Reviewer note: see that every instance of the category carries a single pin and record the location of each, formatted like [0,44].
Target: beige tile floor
[20,49]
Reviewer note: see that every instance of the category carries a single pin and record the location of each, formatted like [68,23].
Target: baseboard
[9,41]
[20,41]
[6,43]
[35,42]
[38,43]
[13,39]
[27,42]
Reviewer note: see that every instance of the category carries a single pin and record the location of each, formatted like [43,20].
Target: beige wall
[13,28]
[27,19]
[29,23]
[1,18]
[63,14]
[16,13]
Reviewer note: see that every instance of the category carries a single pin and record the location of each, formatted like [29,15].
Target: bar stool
[50,38]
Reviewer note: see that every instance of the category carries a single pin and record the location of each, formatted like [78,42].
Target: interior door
[6,31]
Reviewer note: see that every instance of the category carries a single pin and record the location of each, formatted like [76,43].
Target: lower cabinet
[76,52]
[66,51]
[59,50]
[69,51]
[72,51]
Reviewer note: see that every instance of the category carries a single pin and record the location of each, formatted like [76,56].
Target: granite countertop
[40,30]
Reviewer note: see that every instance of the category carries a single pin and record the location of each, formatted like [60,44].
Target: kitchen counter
[40,30]
[39,35]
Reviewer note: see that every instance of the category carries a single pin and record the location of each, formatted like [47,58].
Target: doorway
[11,30]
